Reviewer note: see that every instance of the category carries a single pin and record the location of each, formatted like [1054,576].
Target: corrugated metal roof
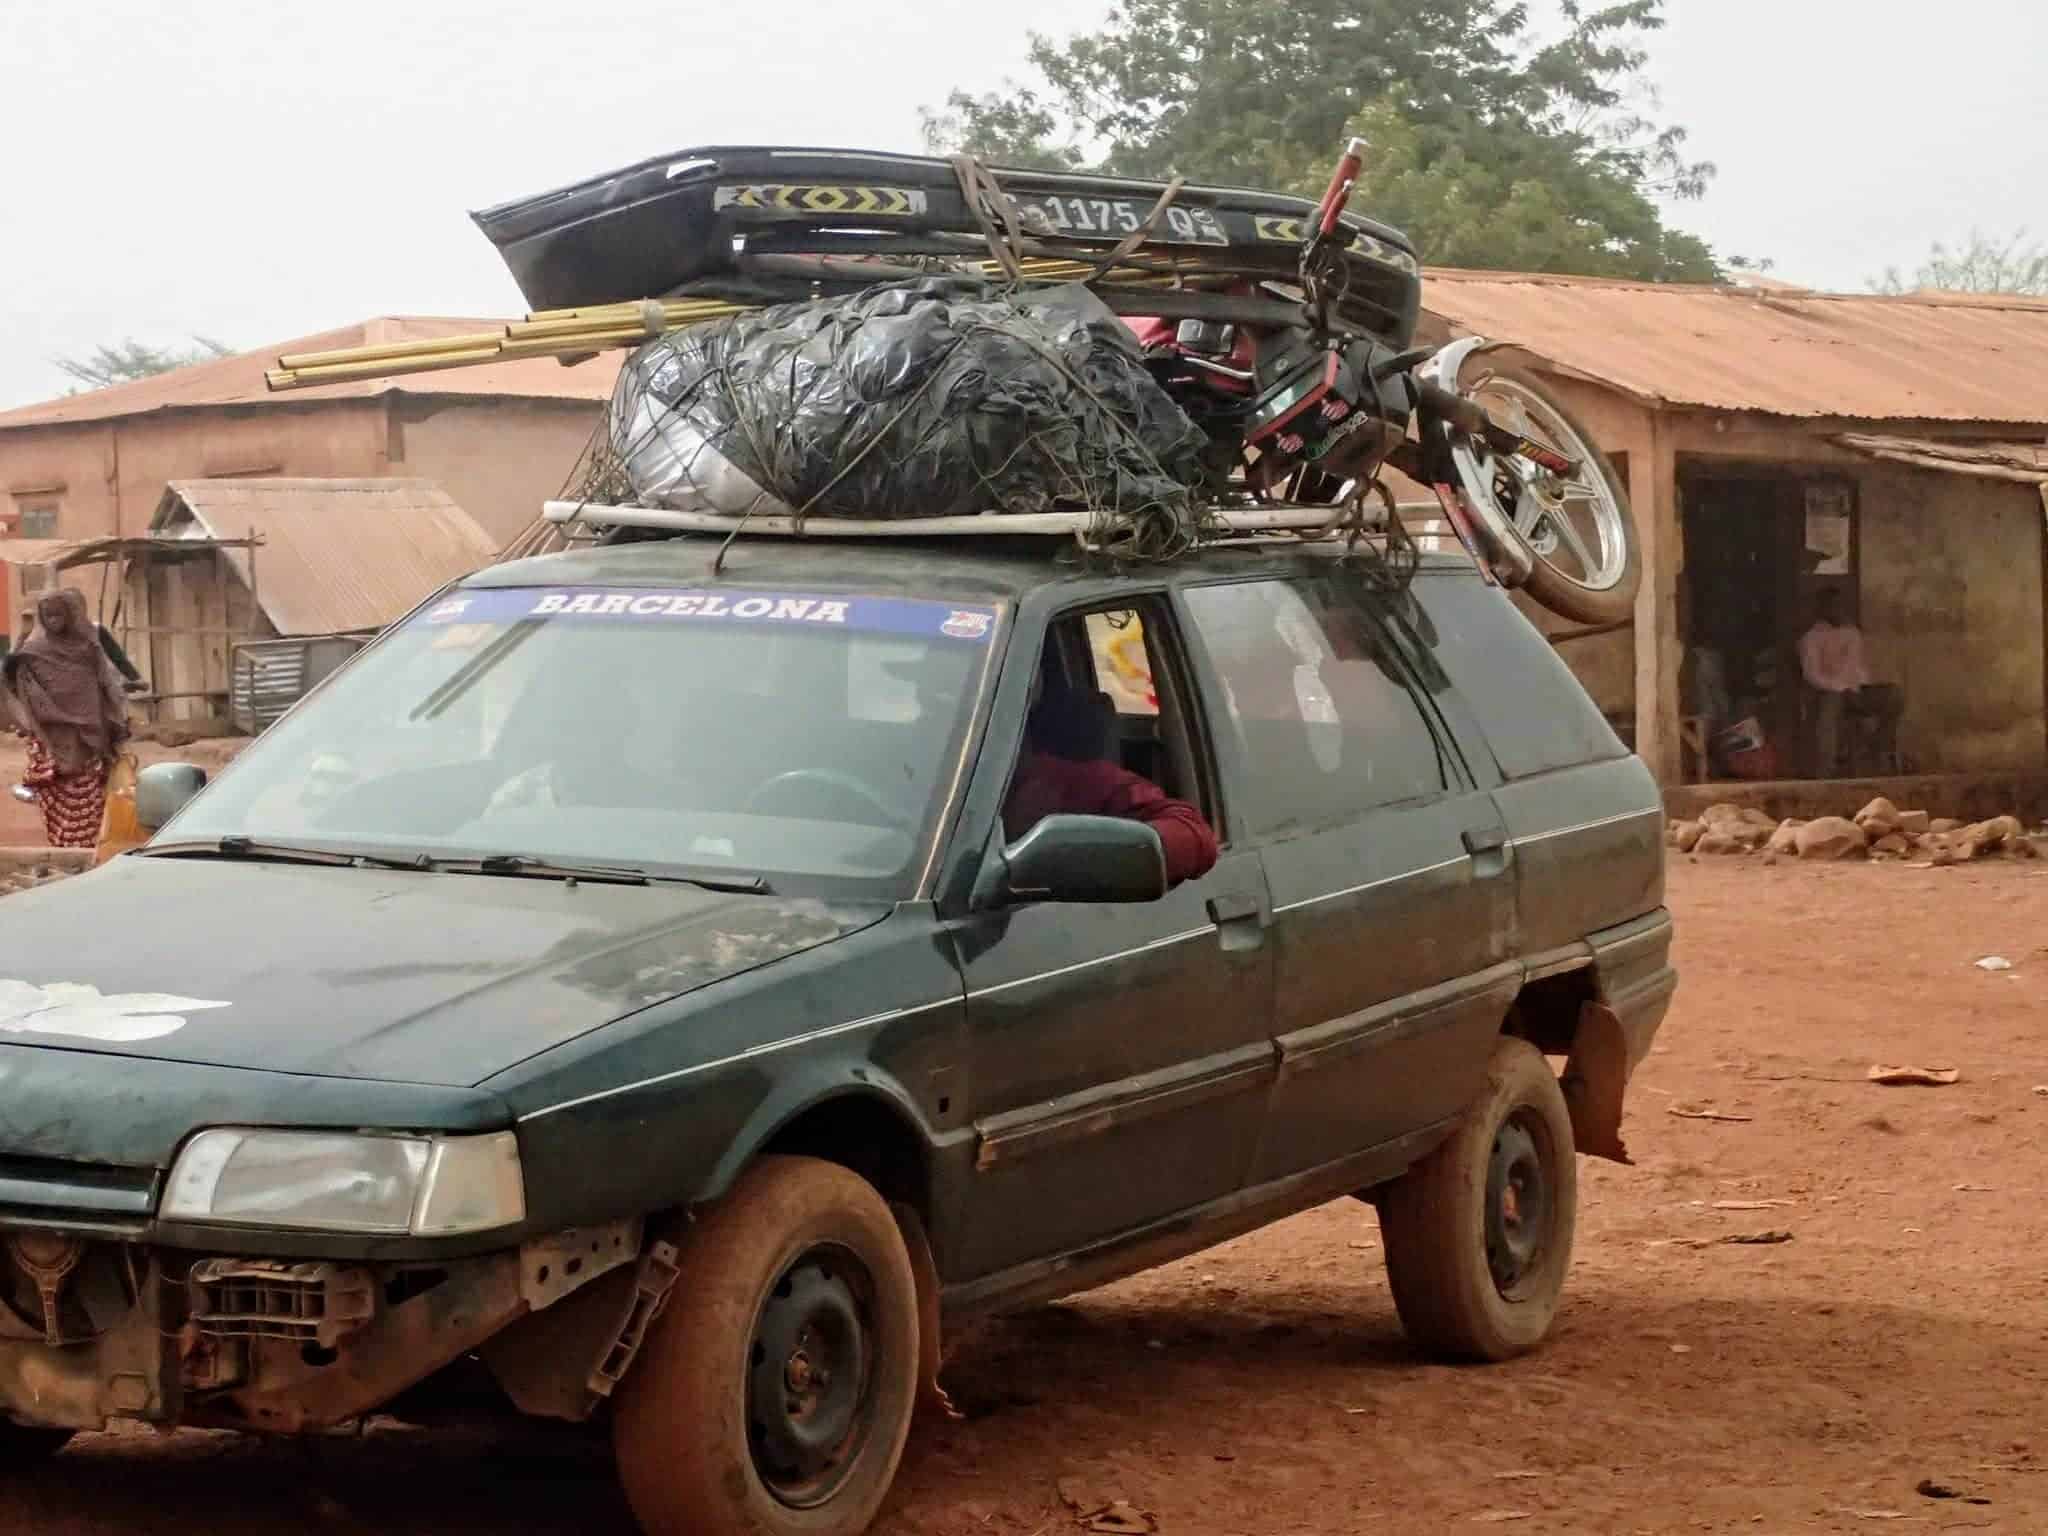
[1763,347]
[337,555]
[2025,462]
[238,380]
[1863,357]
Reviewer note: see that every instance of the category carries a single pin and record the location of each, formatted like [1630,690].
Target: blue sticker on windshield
[802,610]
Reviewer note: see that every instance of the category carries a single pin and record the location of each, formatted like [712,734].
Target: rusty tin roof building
[1907,434]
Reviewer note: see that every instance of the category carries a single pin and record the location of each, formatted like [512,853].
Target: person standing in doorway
[60,690]
[1831,659]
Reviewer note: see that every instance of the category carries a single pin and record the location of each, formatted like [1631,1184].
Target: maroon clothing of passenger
[1048,785]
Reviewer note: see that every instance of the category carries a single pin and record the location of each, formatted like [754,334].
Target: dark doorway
[1760,543]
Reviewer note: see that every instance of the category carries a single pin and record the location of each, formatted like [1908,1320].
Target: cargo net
[942,397]
[945,396]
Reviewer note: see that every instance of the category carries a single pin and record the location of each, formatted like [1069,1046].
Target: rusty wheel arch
[1564,1016]
[865,1134]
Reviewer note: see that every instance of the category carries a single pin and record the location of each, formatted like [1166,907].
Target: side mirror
[162,790]
[1083,859]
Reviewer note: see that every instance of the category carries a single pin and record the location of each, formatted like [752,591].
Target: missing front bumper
[231,1342]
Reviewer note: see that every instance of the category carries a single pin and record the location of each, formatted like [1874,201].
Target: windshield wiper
[522,866]
[258,851]
[547,869]
[542,869]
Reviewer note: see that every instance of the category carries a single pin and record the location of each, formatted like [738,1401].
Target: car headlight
[318,1181]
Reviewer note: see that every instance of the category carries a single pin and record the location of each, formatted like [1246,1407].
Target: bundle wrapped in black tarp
[940,397]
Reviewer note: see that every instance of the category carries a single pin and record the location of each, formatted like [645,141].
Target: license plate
[1111,218]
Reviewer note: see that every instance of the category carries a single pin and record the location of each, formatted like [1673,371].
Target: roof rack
[1067,525]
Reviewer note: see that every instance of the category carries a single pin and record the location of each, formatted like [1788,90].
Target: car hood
[406,977]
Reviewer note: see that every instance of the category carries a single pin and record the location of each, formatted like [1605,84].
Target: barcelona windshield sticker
[669,605]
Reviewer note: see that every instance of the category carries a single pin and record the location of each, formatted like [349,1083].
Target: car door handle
[1480,840]
[1240,920]
[1487,847]
[1233,907]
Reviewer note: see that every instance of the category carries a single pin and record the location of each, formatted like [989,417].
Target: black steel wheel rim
[1520,1202]
[811,1376]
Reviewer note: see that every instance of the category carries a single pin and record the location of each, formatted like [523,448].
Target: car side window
[1130,670]
[1109,694]
[1123,661]
[1532,710]
[1325,721]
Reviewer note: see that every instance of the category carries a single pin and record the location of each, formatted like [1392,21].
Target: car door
[1393,907]
[1120,1055]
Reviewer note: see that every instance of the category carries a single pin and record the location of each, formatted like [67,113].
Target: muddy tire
[1478,1235]
[774,1393]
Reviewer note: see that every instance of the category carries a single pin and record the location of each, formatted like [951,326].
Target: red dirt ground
[22,825]
[1265,1387]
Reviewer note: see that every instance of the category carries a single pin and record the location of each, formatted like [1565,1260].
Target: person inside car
[1066,768]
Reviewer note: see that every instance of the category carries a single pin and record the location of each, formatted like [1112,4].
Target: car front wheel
[1478,1235]
[774,1393]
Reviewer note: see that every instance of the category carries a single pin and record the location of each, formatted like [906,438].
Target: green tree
[1979,265]
[128,360]
[1491,146]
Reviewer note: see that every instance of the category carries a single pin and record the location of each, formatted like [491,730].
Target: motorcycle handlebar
[1338,193]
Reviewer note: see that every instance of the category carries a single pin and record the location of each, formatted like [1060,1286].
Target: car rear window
[1534,712]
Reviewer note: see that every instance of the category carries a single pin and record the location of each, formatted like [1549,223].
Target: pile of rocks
[1879,831]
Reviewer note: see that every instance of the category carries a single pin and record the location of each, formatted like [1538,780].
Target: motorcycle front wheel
[1584,559]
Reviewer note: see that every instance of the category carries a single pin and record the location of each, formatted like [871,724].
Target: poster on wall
[1827,528]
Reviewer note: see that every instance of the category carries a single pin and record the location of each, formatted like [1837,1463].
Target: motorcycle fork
[1452,500]
[1431,466]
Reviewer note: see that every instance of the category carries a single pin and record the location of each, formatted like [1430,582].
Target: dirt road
[1900,1336]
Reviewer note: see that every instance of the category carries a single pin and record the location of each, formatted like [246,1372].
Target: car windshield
[805,738]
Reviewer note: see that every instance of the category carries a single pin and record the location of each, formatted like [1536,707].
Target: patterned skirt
[74,804]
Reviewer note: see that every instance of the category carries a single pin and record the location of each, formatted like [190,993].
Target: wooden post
[2041,548]
[1653,493]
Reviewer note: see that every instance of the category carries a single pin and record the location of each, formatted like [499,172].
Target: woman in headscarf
[60,690]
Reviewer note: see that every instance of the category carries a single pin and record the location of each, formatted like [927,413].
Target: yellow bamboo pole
[396,349]
[336,373]
[579,332]
[582,341]
[624,320]
[593,311]
[522,330]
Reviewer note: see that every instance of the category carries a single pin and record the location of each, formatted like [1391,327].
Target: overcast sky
[256,170]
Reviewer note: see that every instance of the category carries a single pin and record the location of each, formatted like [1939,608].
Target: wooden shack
[245,592]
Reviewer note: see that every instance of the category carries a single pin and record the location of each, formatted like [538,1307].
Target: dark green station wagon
[629,980]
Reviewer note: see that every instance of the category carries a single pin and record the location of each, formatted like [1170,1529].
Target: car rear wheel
[1478,1235]
[775,1392]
